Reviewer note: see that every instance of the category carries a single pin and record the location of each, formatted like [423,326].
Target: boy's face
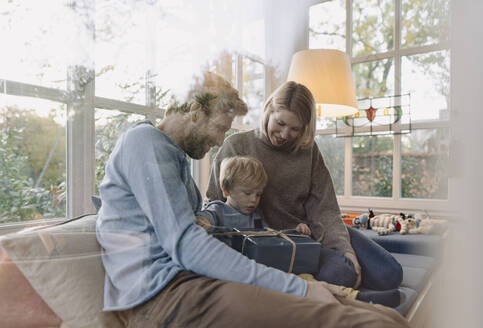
[244,199]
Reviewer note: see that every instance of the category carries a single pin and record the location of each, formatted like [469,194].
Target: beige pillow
[63,264]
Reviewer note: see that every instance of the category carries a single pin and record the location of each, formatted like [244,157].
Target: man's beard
[194,146]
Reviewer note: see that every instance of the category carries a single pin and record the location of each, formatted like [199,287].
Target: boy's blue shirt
[223,218]
[221,214]
[147,229]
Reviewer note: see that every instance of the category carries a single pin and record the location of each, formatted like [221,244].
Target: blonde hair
[297,99]
[242,170]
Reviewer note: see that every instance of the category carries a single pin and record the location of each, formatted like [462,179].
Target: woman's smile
[283,127]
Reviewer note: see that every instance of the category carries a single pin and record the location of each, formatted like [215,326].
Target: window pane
[120,50]
[372,166]
[32,159]
[374,79]
[253,90]
[373,26]
[332,150]
[328,25]
[426,77]
[225,66]
[424,160]
[424,22]
[325,123]
[109,125]
[38,41]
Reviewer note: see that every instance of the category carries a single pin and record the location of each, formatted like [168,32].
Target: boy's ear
[225,191]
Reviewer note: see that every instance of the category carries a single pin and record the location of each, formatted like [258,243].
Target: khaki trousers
[191,300]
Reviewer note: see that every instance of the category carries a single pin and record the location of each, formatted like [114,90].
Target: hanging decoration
[377,116]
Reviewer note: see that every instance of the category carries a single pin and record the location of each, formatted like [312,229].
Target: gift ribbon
[268,233]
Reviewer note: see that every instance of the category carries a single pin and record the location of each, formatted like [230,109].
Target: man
[164,270]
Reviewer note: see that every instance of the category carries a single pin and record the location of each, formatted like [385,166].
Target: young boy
[242,180]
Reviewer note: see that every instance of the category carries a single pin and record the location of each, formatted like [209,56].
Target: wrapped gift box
[276,252]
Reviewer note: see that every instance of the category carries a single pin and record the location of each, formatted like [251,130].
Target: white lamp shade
[328,75]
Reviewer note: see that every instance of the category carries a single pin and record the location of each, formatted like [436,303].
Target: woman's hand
[303,228]
[324,292]
[357,268]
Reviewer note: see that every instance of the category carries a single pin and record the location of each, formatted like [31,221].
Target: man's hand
[203,222]
[357,268]
[324,292]
[303,228]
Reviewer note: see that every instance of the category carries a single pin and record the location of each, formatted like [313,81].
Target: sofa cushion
[427,245]
[416,269]
[415,261]
[418,255]
[408,296]
[97,202]
[63,264]
[415,278]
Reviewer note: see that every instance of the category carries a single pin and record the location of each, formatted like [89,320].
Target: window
[248,74]
[334,157]
[372,170]
[32,159]
[424,159]
[396,47]
[253,89]
[77,73]
[109,125]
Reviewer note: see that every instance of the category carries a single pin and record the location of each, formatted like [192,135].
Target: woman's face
[283,127]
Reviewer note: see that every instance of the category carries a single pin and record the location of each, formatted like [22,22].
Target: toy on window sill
[384,224]
[427,226]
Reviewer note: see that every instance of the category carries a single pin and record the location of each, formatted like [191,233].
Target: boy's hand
[203,222]
[303,228]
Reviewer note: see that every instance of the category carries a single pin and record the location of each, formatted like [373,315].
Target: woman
[300,190]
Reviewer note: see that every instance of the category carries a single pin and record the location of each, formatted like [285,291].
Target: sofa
[53,276]
[420,257]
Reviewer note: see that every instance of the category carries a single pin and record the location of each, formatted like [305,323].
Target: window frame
[347,201]
[80,132]
[80,125]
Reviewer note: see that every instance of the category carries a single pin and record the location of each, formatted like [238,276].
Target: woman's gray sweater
[299,188]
